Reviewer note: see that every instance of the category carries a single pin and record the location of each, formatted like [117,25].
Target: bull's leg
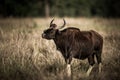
[68,67]
[100,67]
[98,56]
[91,62]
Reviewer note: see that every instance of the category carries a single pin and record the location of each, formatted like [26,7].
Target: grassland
[24,55]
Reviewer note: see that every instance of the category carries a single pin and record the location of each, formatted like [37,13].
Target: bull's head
[52,30]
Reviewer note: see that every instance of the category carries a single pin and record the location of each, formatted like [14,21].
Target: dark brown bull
[73,43]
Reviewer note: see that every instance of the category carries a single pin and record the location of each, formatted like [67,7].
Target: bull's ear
[58,31]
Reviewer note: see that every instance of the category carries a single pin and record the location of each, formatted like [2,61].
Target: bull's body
[73,43]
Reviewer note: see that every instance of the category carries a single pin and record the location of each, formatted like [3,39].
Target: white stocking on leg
[68,68]
[89,70]
[100,67]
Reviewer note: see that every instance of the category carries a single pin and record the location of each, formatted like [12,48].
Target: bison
[74,43]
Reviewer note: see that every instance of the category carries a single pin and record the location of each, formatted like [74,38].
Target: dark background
[61,8]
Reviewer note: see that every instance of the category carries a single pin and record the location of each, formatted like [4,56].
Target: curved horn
[51,22]
[63,24]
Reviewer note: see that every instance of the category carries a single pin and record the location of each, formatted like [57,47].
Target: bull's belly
[82,56]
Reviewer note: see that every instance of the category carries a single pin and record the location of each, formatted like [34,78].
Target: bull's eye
[51,32]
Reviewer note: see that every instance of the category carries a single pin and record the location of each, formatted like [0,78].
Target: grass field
[24,55]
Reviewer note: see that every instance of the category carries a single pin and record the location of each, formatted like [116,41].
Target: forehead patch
[53,26]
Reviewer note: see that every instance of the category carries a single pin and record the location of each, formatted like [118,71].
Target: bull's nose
[43,35]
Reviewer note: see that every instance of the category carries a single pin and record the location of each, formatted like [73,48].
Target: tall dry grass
[24,55]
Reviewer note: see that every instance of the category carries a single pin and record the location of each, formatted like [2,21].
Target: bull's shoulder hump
[70,29]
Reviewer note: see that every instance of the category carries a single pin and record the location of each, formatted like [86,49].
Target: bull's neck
[57,37]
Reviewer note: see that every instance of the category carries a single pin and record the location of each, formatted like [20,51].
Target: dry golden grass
[24,55]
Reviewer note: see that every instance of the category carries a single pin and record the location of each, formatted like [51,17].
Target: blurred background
[24,55]
[61,8]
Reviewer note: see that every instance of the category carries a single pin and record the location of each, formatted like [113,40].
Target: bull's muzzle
[43,35]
